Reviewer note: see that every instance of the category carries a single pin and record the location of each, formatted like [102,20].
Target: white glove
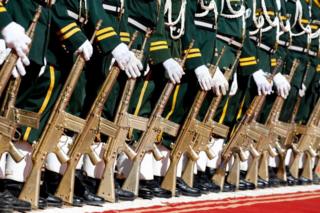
[19,69]
[220,83]
[122,55]
[15,37]
[264,87]
[204,78]
[134,67]
[173,70]
[4,52]
[282,84]
[234,85]
[86,50]
[302,91]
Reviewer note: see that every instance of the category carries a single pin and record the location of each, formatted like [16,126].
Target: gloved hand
[122,55]
[220,83]
[234,85]
[86,50]
[263,85]
[19,69]
[15,38]
[4,51]
[302,91]
[204,78]
[173,70]
[134,67]
[282,84]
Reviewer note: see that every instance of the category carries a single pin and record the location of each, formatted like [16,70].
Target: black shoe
[123,194]
[11,193]
[5,206]
[81,191]
[202,187]
[262,183]
[17,205]
[274,182]
[205,180]
[227,187]
[92,199]
[248,185]
[187,190]
[154,186]
[47,193]
[315,179]
[53,201]
[42,203]
[145,193]
[178,193]
[304,181]
[77,201]
[291,181]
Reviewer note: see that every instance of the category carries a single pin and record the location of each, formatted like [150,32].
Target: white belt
[261,45]
[111,8]
[298,49]
[312,53]
[137,24]
[75,16]
[203,24]
[229,40]
[284,43]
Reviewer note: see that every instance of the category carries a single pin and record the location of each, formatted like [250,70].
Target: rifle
[201,142]
[306,143]
[84,141]
[241,139]
[59,121]
[264,147]
[11,116]
[118,144]
[154,127]
[291,136]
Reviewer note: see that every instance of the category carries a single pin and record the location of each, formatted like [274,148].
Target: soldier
[300,19]
[14,37]
[117,12]
[40,87]
[309,96]
[228,34]
[267,39]
[109,45]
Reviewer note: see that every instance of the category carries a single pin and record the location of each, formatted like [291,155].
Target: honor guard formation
[108,100]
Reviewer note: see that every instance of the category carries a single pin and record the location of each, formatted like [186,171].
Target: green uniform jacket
[150,14]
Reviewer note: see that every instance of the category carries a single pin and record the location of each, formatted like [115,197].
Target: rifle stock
[146,142]
[52,133]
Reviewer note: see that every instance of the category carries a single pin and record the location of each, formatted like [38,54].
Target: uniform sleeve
[124,30]
[68,31]
[159,49]
[248,63]
[194,58]
[106,38]
[5,17]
